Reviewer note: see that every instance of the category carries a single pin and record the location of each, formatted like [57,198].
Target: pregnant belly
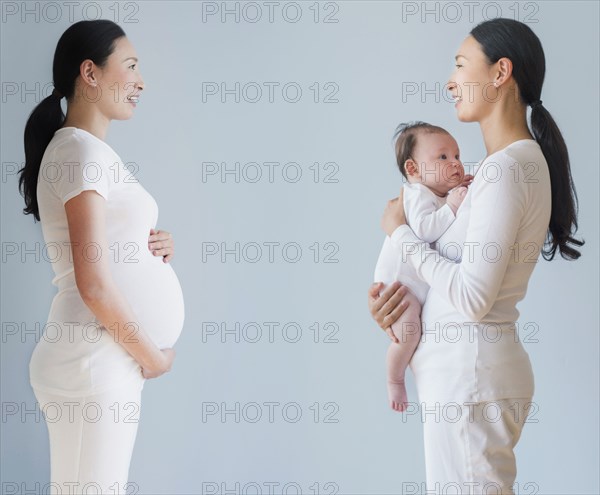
[154,293]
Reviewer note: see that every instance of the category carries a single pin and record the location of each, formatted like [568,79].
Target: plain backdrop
[279,379]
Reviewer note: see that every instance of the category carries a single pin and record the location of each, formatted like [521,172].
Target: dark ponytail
[516,41]
[94,40]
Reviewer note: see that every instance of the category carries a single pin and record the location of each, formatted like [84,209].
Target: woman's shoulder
[521,151]
[514,162]
[524,150]
[74,144]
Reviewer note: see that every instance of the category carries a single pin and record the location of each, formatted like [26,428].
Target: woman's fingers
[161,243]
[385,296]
[374,290]
[391,335]
[396,294]
[386,307]
[395,314]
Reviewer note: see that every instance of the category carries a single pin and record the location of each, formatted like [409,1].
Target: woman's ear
[504,68]
[411,168]
[87,71]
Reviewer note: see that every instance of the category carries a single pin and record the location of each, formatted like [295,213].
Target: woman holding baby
[474,378]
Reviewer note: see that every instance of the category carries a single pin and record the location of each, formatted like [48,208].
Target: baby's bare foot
[397,395]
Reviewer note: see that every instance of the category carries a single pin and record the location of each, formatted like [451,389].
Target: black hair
[406,140]
[94,40]
[516,41]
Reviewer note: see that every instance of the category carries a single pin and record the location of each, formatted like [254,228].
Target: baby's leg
[408,331]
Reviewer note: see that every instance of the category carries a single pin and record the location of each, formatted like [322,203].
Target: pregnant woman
[119,306]
[473,377]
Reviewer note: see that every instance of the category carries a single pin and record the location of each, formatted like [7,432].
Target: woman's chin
[124,113]
[465,116]
[124,116]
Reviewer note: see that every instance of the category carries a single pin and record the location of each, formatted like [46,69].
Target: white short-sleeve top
[76,355]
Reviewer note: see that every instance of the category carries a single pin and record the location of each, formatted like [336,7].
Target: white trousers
[92,439]
[469,447]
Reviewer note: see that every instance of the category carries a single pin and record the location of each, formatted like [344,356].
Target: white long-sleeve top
[429,217]
[487,257]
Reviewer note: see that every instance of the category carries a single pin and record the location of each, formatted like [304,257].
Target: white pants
[469,447]
[92,438]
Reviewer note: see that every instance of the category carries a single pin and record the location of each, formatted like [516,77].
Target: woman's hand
[388,306]
[161,243]
[168,357]
[394,216]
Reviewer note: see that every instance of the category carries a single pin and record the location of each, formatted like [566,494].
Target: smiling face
[436,162]
[119,82]
[472,82]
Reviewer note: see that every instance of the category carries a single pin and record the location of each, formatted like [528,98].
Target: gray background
[370,53]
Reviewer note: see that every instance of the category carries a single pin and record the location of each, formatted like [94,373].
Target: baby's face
[437,158]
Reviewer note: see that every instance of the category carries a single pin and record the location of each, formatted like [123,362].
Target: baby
[428,158]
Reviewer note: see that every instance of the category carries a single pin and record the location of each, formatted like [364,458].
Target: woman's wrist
[400,229]
[402,234]
[392,227]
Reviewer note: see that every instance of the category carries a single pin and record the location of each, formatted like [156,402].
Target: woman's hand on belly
[168,357]
[160,243]
[388,306]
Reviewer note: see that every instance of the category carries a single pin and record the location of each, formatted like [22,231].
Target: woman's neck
[88,119]
[505,125]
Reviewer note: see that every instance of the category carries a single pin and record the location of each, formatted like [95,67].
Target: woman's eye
[457,65]
[132,66]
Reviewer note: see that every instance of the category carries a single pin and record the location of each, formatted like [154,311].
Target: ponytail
[564,197]
[45,119]
[515,40]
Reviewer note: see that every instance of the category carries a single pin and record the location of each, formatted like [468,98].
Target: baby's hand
[456,197]
[467,180]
